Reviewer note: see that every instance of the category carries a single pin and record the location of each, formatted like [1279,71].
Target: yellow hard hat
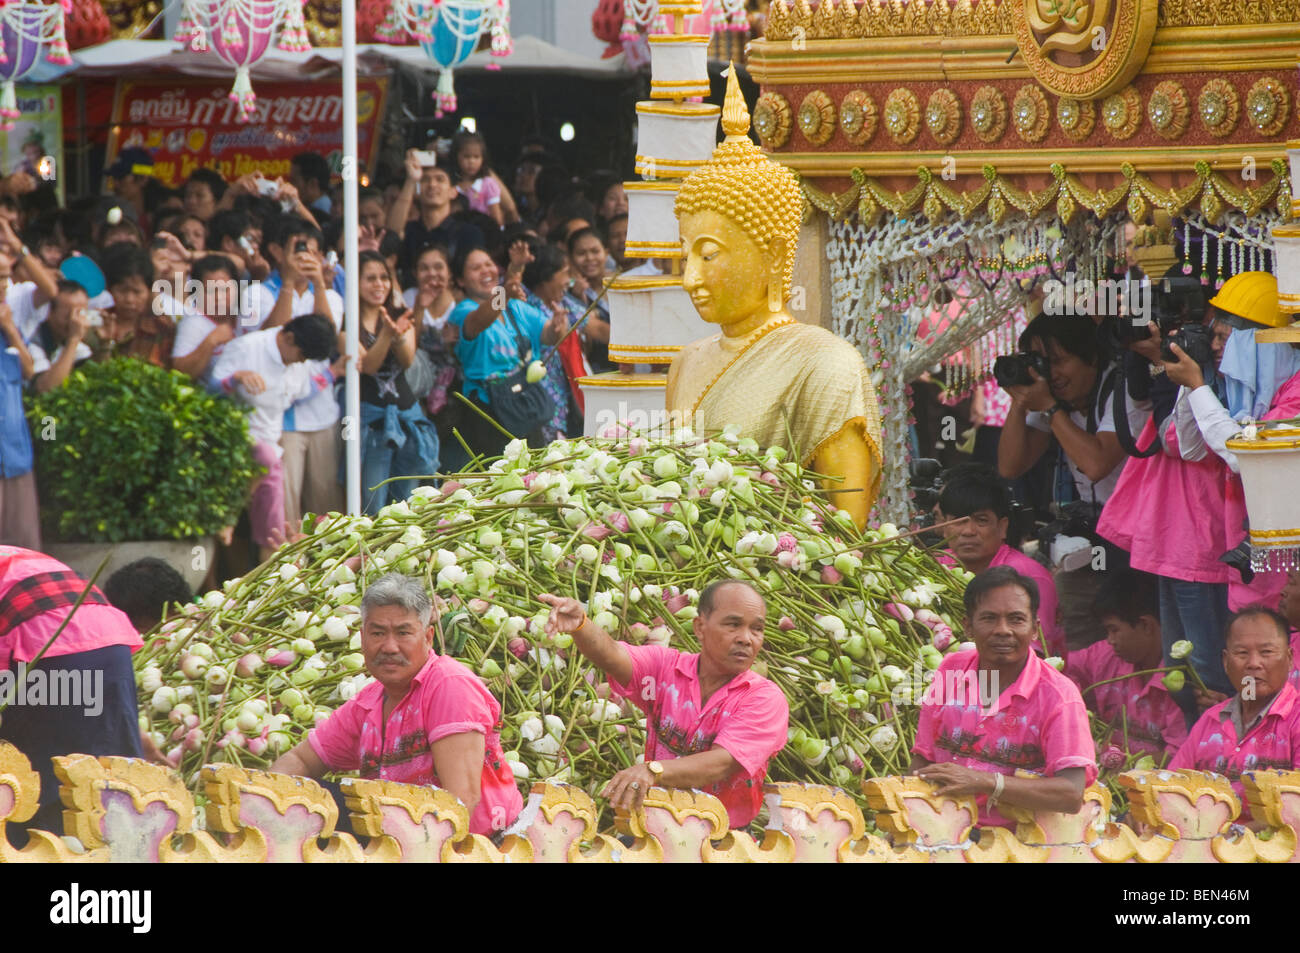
[1252,295]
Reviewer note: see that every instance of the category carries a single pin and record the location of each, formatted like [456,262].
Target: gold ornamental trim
[943,116]
[1076,117]
[858,117]
[643,282]
[1121,113]
[1112,37]
[689,110]
[1210,192]
[651,186]
[689,39]
[647,348]
[1218,106]
[1029,113]
[988,114]
[598,383]
[1168,109]
[817,117]
[667,168]
[1267,106]
[902,115]
[667,248]
[1274,535]
[681,88]
[773,119]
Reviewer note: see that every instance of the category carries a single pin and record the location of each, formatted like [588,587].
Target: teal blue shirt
[494,354]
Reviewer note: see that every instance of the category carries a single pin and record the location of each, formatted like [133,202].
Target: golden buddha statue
[783,383]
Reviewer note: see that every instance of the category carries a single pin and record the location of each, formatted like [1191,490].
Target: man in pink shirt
[1143,717]
[80,697]
[1258,728]
[426,719]
[976,491]
[712,723]
[1031,718]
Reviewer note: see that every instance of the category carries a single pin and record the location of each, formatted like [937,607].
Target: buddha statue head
[739,217]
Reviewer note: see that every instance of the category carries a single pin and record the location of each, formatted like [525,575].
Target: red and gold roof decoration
[1026,87]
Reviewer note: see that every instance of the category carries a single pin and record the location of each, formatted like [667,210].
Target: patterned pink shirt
[93,626]
[445,698]
[1294,675]
[1273,744]
[1037,724]
[1142,715]
[748,717]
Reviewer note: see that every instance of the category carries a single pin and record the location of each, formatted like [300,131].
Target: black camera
[1196,341]
[1012,370]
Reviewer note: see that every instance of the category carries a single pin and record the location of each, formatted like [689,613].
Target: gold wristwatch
[656,769]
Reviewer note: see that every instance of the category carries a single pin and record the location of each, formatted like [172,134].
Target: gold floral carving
[1267,105]
[1029,113]
[772,120]
[1218,106]
[988,113]
[1224,12]
[902,115]
[1111,38]
[858,117]
[1076,117]
[943,116]
[1168,109]
[1121,113]
[817,117]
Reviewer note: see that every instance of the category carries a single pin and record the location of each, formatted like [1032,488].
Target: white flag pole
[351,289]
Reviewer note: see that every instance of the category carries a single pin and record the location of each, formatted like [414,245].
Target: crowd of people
[239,286]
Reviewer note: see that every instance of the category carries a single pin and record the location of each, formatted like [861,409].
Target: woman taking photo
[493,326]
[546,279]
[397,439]
[587,256]
[431,302]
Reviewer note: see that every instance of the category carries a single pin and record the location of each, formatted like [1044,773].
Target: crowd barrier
[127,810]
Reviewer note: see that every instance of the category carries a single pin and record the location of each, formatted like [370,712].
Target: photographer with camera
[1167,512]
[1261,381]
[976,492]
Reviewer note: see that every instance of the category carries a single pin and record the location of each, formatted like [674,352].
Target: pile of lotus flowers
[633,528]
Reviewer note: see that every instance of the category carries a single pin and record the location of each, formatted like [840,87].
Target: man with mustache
[426,719]
[711,722]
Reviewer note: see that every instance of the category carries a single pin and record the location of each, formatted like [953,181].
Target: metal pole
[351,289]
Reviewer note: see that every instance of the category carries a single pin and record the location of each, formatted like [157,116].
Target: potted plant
[138,461]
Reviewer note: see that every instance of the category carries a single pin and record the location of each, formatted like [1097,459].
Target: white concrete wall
[563,23]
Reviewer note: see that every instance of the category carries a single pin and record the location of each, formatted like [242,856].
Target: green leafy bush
[126,451]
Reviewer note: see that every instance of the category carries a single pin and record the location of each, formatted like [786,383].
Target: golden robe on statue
[795,386]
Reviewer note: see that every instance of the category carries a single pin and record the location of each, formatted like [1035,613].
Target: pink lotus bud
[942,640]
[257,745]
[174,756]
[927,617]
[786,623]
[248,664]
[353,563]
[282,659]
[786,560]
[240,638]
[668,507]
[1112,759]
[595,530]
[770,478]
[479,606]
[637,446]
[786,543]
[193,739]
[618,519]
[529,478]
[831,576]
[450,487]
[602,690]
[518,647]
[899,611]
[613,432]
[637,633]
[190,721]
[675,603]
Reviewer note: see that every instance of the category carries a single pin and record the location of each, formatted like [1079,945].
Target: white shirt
[320,410]
[42,362]
[1203,425]
[427,319]
[190,333]
[1137,413]
[259,353]
[27,317]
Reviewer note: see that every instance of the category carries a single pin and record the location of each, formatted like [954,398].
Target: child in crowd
[474,178]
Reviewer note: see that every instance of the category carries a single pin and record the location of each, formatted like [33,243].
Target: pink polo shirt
[445,698]
[1141,714]
[1273,744]
[1038,724]
[91,627]
[1047,601]
[1294,675]
[748,717]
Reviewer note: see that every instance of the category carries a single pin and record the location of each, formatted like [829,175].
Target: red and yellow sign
[189,124]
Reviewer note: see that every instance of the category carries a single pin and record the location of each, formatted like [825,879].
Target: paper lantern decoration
[1268,455]
[448,31]
[27,30]
[240,32]
[714,16]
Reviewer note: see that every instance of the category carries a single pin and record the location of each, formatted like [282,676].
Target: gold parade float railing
[127,810]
